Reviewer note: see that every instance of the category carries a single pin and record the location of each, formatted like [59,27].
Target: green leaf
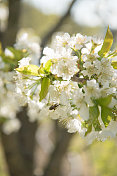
[93,116]
[89,129]
[48,65]
[93,119]
[41,69]
[18,54]
[114,64]
[93,112]
[104,101]
[106,112]
[8,59]
[44,88]
[29,70]
[106,115]
[112,54]
[11,62]
[106,44]
[94,45]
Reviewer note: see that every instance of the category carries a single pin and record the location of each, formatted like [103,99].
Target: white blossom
[74,125]
[82,86]
[10,126]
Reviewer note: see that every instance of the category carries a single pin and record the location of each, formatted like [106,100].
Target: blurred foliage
[41,23]
[102,156]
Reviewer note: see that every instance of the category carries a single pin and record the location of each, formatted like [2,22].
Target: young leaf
[104,101]
[44,88]
[18,54]
[29,70]
[11,61]
[112,54]
[93,116]
[106,115]
[93,112]
[89,129]
[94,45]
[48,65]
[114,64]
[106,44]
[41,69]
[8,59]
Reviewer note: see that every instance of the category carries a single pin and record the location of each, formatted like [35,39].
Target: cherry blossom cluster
[75,83]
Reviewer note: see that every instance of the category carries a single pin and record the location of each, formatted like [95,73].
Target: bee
[53,106]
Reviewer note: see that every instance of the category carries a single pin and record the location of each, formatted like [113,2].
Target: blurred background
[57,153]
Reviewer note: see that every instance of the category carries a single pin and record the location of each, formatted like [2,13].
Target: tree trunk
[18,147]
[63,139]
[9,36]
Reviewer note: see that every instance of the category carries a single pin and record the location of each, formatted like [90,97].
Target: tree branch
[9,36]
[27,141]
[56,27]
[16,165]
[63,139]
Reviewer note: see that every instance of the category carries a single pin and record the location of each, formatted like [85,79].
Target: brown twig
[56,27]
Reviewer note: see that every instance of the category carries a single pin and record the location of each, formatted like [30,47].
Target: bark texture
[63,139]
[9,36]
[18,147]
